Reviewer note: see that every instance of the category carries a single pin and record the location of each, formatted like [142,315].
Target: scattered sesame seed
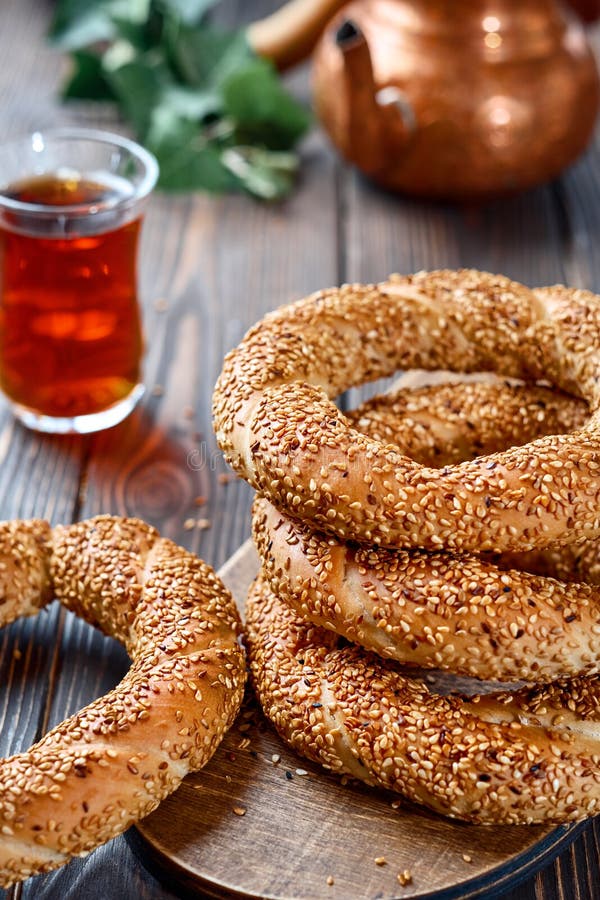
[330,880]
[380,861]
[404,877]
[301,772]
[189,524]
[239,810]
[275,758]
[467,858]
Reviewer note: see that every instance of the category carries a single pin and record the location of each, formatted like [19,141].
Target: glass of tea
[71,204]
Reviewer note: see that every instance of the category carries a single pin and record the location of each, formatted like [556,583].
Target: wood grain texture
[220,263]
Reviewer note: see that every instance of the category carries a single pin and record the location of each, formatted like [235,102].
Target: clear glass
[71,205]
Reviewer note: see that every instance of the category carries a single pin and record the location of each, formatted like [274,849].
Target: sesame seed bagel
[432,609]
[277,424]
[112,763]
[442,424]
[482,617]
[525,757]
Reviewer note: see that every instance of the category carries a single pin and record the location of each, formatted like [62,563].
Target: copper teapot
[453,99]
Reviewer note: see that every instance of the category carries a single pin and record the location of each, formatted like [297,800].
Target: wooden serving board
[260,822]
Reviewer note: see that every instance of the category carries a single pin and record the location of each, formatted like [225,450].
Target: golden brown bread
[459,614]
[481,617]
[112,763]
[528,756]
[447,423]
[281,431]
[443,424]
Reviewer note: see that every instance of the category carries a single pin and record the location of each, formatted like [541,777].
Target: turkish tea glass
[71,205]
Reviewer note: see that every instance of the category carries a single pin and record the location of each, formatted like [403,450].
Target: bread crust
[112,763]
[280,430]
[444,424]
[463,615]
[521,757]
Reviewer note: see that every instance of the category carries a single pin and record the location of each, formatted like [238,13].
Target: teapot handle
[289,34]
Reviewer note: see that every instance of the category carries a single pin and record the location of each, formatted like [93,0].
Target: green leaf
[138,86]
[190,103]
[77,24]
[188,11]
[215,115]
[265,174]
[87,81]
[188,162]
[206,56]
[80,23]
[264,112]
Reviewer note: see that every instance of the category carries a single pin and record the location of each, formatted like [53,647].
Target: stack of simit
[408,529]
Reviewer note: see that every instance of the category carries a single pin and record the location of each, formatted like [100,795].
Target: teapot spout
[289,34]
[362,134]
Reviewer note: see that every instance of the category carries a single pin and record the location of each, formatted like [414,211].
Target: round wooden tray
[260,822]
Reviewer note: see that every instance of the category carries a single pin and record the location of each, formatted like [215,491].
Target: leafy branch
[215,115]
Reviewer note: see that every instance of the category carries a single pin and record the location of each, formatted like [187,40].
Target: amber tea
[70,329]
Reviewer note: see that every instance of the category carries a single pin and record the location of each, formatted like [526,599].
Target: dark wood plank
[220,263]
[210,268]
[38,477]
[519,236]
[541,237]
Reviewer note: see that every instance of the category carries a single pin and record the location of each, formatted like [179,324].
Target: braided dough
[112,763]
[281,431]
[525,757]
[467,616]
[444,424]
[433,610]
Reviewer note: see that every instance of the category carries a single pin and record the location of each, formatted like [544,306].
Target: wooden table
[211,267]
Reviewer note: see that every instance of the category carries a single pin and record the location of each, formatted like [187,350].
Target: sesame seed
[180,628]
